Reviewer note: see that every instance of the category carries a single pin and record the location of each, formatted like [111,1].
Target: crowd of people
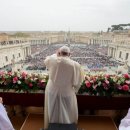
[92,56]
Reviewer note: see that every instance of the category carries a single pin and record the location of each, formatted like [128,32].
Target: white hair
[65,49]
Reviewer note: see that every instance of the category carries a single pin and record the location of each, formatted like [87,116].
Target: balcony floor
[36,115]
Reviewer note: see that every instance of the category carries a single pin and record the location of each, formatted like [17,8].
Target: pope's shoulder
[75,62]
[54,57]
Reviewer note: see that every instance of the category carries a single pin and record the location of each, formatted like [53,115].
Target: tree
[116,27]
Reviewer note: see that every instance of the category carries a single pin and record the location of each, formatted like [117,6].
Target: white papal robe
[125,122]
[5,123]
[65,78]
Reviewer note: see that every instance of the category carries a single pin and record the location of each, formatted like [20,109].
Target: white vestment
[5,123]
[125,122]
[65,78]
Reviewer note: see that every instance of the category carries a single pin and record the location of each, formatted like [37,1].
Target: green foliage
[118,27]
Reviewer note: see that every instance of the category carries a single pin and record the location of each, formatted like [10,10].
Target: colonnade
[119,52]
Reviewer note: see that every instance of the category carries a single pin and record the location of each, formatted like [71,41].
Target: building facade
[119,49]
[13,51]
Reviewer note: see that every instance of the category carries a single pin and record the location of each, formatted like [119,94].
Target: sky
[62,15]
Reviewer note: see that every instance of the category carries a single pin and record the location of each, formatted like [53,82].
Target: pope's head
[64,51]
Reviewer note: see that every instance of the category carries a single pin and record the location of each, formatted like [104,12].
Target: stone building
[13,50]
[119,49]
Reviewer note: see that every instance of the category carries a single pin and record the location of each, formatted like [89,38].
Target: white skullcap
[65,49]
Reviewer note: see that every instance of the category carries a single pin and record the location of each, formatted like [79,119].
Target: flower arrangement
[106,85]
[22,81]
[98,85]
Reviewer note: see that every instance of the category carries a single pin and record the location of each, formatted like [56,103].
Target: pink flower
[2,73]
[106,81]
[105,86]
[126,76]
[91,81]
[94,80]
[30,85]
[88,84]
[15,79]
[43,80]
[127,81]
[9,73]
[24,74]
[119,87]
[107,76]
[125,87]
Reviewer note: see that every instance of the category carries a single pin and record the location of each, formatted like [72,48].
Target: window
[13,56]
[6,58]
[19,55]
[120,54]
[127,55]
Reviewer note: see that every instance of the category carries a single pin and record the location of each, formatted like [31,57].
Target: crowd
[92,56]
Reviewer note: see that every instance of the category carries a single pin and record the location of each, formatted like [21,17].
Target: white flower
[19,82]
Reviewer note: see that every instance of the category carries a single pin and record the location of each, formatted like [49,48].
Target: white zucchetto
[65,49]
